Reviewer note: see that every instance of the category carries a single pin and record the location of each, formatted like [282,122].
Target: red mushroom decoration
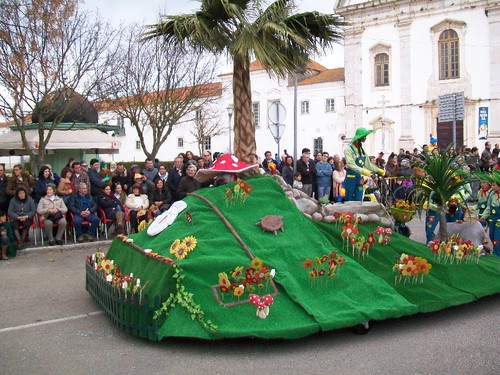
[224,164]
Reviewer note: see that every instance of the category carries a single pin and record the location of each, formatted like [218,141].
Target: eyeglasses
[84,165]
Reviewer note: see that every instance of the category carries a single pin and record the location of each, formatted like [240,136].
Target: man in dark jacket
[307,170]
[174,177]
[84,207]
[96,184]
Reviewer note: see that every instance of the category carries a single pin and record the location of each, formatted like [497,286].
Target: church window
[382,69]
[449,57]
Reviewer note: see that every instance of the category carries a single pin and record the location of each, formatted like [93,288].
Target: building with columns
[402,56]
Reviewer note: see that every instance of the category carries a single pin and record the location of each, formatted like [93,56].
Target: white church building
[412,68]
[404,60]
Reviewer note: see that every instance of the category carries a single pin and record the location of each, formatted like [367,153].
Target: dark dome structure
[73,107]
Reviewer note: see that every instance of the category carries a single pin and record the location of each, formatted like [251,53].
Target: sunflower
[181,251]
[190,243]
[173,247]
[256,263]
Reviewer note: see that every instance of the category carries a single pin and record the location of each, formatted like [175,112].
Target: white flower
[272,273]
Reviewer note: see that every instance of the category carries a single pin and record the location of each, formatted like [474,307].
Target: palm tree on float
[440,178]
[276,37]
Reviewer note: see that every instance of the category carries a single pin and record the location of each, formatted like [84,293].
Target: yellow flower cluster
[410,267]
[181,249]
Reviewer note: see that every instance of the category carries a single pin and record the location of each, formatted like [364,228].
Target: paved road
[50,325]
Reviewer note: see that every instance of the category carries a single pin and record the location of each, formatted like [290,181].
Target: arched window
[449,56]
[382,69]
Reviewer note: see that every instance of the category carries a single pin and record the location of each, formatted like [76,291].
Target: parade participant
[358,164]
[491,213]
[484,193]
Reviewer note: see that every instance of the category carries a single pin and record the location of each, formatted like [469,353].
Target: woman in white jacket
[138,203]
[53,210]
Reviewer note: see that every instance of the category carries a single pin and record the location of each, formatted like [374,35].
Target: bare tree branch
[158,87]
[49,49]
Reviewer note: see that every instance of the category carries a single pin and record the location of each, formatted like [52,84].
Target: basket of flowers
[402,211]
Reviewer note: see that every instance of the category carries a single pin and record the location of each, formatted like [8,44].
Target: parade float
[241,260]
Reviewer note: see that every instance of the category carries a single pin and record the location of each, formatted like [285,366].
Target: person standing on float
[358,165]
[491,213]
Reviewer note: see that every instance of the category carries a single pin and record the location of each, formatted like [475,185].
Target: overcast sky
[147,11]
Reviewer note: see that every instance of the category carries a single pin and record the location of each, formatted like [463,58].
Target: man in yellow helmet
[358,165]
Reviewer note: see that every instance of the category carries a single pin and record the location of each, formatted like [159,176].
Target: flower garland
[239,193]
[328,266]
[456,250]
[185,299]
[182,249]
[409,268]
[239,282]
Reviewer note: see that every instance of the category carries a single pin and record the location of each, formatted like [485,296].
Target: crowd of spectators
[86,196]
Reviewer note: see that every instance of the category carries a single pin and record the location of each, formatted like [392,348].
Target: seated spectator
[53,210]
[65,187]
[44,178]
[188,184]
[21,211]
[112,208]
[119,193]
[6,237]
[138,203]
[160,197]
[83,207]
[4,198]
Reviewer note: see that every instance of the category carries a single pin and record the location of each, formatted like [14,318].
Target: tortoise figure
[271,223]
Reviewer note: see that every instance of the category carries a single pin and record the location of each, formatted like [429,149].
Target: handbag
[55,217]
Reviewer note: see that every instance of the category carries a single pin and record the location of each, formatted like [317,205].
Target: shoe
[361,329]
[59,242]
[119,229]
[90,238]
[80,239]
[52,243]
[20,245]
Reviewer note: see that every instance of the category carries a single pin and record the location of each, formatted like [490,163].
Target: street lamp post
[230,110]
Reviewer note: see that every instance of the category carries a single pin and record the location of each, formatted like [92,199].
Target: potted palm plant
[440,178]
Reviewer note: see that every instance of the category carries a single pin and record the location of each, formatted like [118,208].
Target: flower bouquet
[410,268]
[402,211]
[325,267]
[456,250]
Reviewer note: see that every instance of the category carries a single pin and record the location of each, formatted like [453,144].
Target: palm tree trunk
[245,147]
[443,225]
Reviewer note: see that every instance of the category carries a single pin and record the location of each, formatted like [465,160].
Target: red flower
[308,263]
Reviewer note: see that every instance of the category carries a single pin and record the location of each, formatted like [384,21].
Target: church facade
[407,61]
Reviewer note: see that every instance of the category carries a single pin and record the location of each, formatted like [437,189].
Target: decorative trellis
[132,313]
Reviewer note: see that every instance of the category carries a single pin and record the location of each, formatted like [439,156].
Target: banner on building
[483,123]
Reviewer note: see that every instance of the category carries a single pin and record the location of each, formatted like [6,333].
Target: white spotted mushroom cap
[226,163]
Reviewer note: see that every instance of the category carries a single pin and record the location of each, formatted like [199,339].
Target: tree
[280,40]
[157,87]
[208,125]
[440,178]
[49,50]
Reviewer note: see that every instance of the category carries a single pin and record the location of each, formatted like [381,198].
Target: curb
[86,246]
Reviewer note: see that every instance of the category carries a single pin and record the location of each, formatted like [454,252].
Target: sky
[147,12]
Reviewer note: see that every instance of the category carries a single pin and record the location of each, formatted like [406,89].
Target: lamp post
[230,110]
